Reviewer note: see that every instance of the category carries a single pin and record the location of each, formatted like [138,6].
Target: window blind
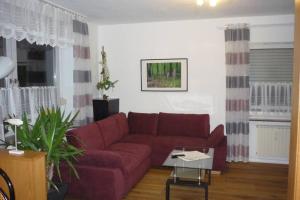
[2,46]
[271,65]
[2,53]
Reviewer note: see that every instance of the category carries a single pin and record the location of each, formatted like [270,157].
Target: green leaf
[48,134]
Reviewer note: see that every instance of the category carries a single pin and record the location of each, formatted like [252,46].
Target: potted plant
[105,83]
[47,134]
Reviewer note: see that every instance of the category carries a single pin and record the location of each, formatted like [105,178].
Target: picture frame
[164,75]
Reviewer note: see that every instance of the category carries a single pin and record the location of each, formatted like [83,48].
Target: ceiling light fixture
[200,2]
[212,3]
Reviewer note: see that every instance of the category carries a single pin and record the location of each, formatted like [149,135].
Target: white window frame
[11,52]
[256,119]
[269,45]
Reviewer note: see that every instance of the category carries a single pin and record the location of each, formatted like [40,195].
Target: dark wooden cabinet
[104,108]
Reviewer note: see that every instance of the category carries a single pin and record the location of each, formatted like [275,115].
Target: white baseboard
[270,160]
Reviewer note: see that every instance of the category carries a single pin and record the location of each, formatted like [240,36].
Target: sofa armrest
[100,158]
[94,182]
[220,154]
[216,136]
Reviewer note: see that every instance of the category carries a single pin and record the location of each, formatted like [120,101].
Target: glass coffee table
[196,173]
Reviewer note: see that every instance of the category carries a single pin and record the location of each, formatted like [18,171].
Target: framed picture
[164,74]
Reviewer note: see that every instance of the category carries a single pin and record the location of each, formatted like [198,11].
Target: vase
[105,97]
[53,194]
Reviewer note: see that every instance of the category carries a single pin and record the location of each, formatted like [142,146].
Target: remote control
[177,155]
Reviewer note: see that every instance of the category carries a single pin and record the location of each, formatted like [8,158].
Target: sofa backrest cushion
[122,123]
[142,123]
[195,125]
[109,130]
[87,137]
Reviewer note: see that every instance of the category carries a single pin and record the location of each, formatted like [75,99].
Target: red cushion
[122,123]
[194,125]
[132,155]
[142,123]
[168,143]
[163,145]
[139,139]
[100,158]
[109,130]
[87,137]
[137,150]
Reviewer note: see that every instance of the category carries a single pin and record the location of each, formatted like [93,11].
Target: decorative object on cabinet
[104,108]
[105,83]
[15,123]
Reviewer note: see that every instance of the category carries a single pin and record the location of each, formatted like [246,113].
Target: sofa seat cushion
[87,137]
[142,123]
[163,145]
[132,155]
[193,125]
[139,139]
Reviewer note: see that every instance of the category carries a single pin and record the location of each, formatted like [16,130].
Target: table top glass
[196,164]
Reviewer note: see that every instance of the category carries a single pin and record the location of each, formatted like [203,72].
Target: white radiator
[272,140]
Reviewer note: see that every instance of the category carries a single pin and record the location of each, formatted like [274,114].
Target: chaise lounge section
[120,150]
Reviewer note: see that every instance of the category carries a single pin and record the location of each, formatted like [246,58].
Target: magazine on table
[191,155]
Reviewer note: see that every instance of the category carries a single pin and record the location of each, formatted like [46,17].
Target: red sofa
[120,150]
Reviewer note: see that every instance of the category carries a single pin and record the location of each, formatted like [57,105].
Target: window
[272,65]
[35,67]
[271,82]
[2,47]
[35,64]
[2,53]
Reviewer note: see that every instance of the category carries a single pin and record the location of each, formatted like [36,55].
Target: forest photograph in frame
[164,74]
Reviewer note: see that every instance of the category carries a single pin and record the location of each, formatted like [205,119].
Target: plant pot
[53,194]
[105,97]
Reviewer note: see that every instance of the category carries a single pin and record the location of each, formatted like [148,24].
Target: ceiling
[133,11]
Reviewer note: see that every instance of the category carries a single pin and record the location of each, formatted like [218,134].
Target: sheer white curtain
[270,98]
[16,101]
[45,24]
[36,21]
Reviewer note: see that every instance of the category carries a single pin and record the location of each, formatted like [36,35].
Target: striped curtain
[237,92]
[82,99]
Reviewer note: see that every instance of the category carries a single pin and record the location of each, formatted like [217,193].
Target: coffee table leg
[168,189]
[206,192]
[209,176]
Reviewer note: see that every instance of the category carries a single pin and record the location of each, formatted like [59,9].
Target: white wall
[201,41]
[95,53]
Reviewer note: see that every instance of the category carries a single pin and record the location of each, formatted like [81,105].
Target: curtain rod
[63,8]
[261,25]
